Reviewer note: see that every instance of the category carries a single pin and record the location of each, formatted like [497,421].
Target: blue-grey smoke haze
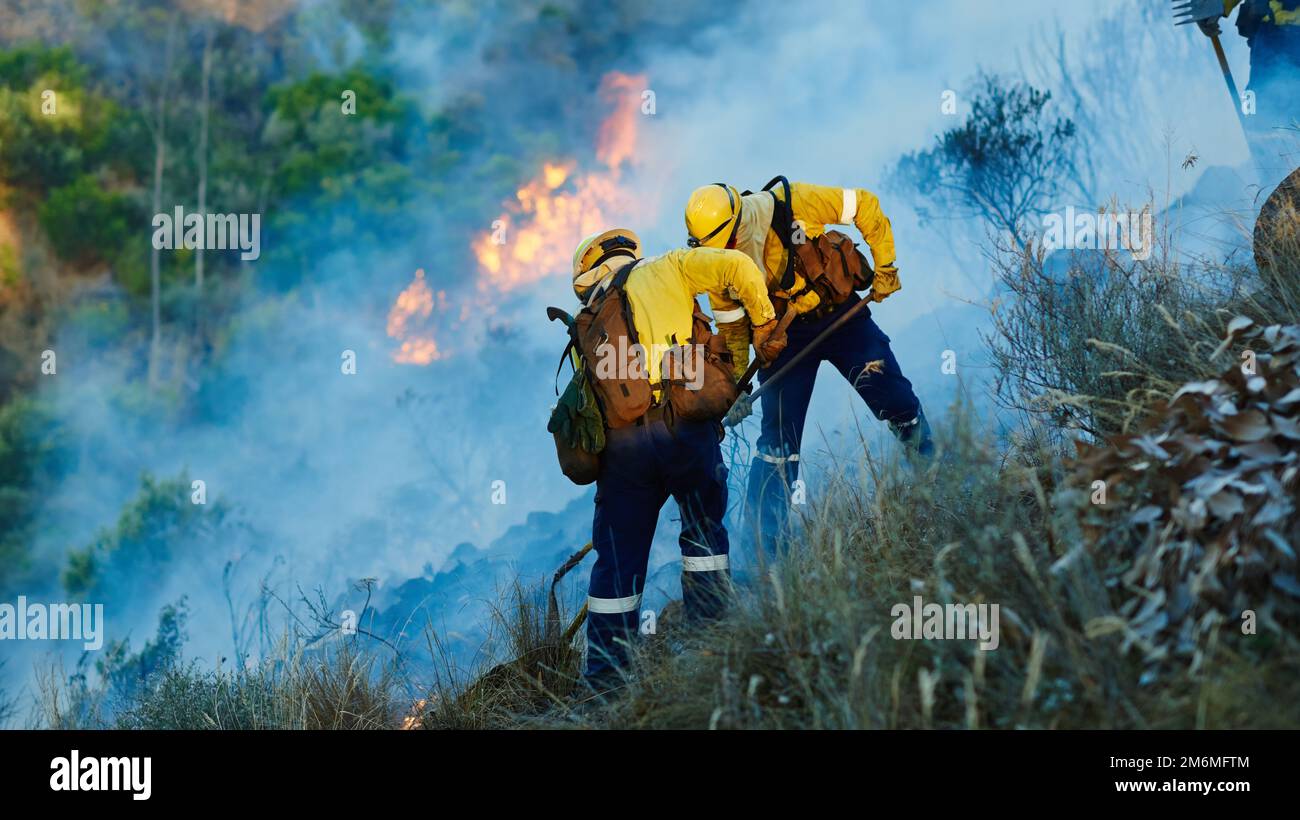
[384,473]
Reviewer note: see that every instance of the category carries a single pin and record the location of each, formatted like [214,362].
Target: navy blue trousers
[887,393]
[640,468]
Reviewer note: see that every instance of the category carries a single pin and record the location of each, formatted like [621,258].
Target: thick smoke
[385,473]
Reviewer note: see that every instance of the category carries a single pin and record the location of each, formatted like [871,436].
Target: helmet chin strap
[735,226]
[734,219]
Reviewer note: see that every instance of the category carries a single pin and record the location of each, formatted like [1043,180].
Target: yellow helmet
[711,215]
[595,250]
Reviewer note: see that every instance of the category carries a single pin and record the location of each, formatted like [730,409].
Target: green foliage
[342,687]
[126,674]
[337,175]
[100,322]
[34,452]
[94,694]
[41,150]
[85,223]
[131,266]
[161,520]
[1009,160]
[9,268]
[326,153]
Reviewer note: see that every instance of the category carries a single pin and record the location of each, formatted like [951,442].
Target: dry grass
[543,672]
[1092,343]
[810,646]
[339,686]
[1086,353]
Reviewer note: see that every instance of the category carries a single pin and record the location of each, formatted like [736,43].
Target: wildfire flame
[616,142]
[408,322]
[414,719]
[537,230]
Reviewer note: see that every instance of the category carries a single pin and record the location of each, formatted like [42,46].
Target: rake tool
[553,605]
[1199,11]
[745,403]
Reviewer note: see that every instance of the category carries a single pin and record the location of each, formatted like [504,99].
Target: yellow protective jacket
[1277,12]
[815,207]
[1255,14]
[662,293]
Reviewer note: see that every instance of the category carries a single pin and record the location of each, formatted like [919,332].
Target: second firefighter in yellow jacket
[654,458]
[719,216]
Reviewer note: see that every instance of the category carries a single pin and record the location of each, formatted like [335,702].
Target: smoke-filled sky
[384,473]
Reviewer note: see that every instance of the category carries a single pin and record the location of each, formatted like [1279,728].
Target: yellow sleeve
[721,273]
[1229,5]
[725,309]
[819,205]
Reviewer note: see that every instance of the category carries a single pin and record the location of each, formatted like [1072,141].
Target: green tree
[35,452]
[48,139]
[1011,159]
[159,522]
[85,223]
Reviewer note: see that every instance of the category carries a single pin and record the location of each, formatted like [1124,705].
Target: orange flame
[409,320]
[537,231]
[414,719]
[617,139]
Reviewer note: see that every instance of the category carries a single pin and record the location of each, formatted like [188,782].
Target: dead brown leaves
[1202,506]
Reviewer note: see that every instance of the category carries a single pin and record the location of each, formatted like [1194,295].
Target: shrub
[39,150]
[339,687]
[86,224]
[130,558]
[1091,341]
[34,452]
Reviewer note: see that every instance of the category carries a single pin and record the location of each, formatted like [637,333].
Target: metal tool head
[1194,11]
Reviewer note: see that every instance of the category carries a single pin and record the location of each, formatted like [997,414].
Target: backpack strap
[783,216]
[620,281]
[563,356]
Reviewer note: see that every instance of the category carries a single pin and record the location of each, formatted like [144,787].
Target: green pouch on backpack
[579,430]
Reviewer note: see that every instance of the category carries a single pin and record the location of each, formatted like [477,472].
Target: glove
[885,282]
[804,298]
[1205,13]
[769,341]
[739,411]
[737,336]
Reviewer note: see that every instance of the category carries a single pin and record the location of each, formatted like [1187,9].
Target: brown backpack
[605,336]
[697,377]
[832,265]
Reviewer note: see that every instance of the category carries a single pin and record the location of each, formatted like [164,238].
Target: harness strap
[783,210]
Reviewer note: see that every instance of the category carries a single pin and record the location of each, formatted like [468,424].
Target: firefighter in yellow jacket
[659,456]
[764,226]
